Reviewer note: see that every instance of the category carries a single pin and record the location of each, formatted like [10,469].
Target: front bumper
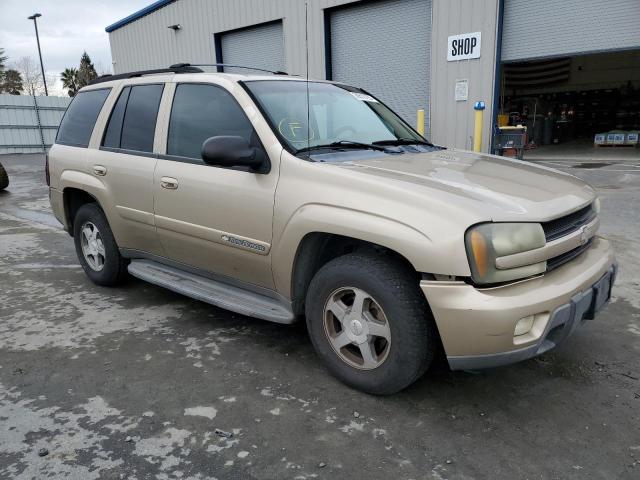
[477,325]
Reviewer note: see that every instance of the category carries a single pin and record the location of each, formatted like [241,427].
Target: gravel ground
[138,382]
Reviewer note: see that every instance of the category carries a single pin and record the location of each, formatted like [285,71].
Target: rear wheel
[96,248]
[370,323]
[4,178]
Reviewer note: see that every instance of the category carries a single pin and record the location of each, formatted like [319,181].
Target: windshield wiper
[403,141]
[345,144]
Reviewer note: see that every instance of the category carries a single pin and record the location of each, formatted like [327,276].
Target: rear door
[126,161]
[212,218]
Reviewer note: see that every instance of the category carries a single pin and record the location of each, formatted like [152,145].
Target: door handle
[99,170]
[169,183]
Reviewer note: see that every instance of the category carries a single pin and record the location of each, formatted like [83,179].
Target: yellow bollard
[477,129]
[420,122]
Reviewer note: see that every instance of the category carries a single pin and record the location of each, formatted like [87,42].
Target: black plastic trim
[137,153]
[121,76]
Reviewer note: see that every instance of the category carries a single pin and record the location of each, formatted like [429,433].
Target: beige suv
[279,198]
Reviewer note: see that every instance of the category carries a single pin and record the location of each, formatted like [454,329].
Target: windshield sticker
[295,130]
[364,97]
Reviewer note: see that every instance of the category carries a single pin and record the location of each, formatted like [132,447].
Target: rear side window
[80,118]
[200,112]
[114,127]
[133,120]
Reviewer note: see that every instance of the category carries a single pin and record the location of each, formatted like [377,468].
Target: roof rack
[178,68]
[222,65]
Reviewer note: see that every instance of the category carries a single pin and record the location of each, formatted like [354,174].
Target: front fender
[418,248]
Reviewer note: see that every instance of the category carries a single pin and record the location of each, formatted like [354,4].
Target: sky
[66,29]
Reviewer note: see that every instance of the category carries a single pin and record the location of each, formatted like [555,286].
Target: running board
[216,293]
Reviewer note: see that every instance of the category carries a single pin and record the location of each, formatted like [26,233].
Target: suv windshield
[338,117]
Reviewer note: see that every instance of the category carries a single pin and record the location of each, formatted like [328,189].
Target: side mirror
[230,151]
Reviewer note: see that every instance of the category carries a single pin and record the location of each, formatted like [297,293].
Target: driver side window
[201,111]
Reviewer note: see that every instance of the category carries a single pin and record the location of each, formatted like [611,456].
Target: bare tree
[31,76]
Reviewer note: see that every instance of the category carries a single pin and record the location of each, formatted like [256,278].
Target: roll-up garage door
[261,46]
[384,47]
[551,28]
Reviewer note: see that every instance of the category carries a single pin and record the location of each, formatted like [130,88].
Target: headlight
[596,205]
[488,241]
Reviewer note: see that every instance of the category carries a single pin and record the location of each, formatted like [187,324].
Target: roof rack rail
[222,65]
[178,68]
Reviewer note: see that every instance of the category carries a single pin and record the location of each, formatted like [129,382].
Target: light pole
[35,23]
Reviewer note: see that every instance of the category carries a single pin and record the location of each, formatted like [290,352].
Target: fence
[28,124]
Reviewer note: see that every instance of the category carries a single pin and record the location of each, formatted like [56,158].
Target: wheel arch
[311,221]
[74,198]
[79,188]
[318,248]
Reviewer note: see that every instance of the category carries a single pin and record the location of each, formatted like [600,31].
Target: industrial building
[567,69]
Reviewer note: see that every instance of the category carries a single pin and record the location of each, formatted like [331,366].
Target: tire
[4,178]
[395,296]
[112,269]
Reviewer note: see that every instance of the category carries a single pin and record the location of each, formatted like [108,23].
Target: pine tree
[3,57]
[86,71]
[12,82]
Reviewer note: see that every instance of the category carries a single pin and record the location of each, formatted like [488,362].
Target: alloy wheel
[92,246]
[357,328]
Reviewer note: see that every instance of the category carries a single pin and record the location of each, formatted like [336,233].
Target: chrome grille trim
[567,224]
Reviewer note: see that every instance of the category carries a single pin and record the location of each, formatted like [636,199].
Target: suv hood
[500,188]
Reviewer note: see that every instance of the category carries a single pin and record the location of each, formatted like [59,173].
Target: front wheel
[96,247]
[370,323]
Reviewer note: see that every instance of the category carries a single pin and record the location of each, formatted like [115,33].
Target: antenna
[306,45]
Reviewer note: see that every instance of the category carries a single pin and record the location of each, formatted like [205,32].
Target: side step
[216,293]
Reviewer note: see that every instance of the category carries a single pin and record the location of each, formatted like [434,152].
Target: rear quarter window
[139,124]
[80,118]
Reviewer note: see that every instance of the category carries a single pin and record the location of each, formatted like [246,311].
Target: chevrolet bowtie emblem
[584,235]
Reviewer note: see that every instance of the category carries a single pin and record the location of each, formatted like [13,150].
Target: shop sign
[464,46]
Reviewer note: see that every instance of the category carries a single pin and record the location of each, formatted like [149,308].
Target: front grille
[562,226]
[555,262]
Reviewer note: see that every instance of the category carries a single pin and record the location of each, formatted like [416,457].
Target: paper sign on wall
[462,90]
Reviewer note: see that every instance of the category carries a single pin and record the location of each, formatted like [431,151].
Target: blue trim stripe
[139,14]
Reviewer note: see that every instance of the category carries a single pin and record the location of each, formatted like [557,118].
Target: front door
[215,219]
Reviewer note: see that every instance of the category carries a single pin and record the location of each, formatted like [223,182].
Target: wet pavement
[137,382]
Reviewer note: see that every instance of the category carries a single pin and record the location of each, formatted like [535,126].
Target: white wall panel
[19,132]
[261,46]
[452,122]
[550,28]
[385,47]
[147,42]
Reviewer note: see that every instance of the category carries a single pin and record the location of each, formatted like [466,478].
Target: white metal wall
[147,42]
[549,28]
[385,47]
[452,122]
[261,46]
[19,130]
